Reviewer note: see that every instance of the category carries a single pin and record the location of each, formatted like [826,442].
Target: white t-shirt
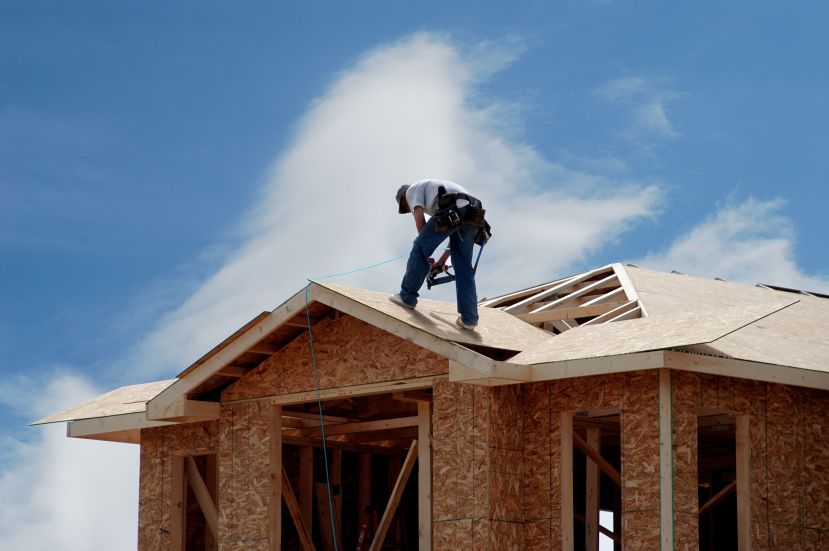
[424,194]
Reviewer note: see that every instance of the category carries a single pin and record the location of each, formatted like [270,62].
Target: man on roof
[454,214]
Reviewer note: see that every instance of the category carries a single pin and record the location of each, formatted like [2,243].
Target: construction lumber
[567,511]
[718,497]
[591,523]
[364,426]
[296,514]
[179,495]
[567,313]
[575,294]
[596,457]
[424,476]
[522,306]
[275,473]
[306,484]
[743,480]
[369,389]
[324,516]
[394,500]
[208,508]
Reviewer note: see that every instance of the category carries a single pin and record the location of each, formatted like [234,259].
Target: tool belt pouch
[447,217]
[475,216]
[483,235]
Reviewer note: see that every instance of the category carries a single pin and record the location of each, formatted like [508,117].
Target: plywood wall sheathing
[788,457]
[348,352]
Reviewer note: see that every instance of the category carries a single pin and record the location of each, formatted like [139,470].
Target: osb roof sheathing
[797,336]
[496,329]
[121,401]
[646,334]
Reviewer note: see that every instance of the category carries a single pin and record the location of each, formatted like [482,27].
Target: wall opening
[378,457]
[717,481]
[596,497]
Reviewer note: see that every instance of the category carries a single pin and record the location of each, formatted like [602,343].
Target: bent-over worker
[423,198]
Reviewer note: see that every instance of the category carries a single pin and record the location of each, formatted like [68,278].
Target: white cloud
[62,493]
[402,112]
[648,100]
[750,242]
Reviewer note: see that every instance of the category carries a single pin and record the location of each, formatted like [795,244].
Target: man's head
[402,203]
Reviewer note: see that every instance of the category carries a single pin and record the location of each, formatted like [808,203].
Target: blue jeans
[460,246]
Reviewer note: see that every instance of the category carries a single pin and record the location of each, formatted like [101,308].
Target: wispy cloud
[750,242]
[403,111]
[62,493]
[648,100]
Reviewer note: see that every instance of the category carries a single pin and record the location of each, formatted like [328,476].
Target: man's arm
[419,217]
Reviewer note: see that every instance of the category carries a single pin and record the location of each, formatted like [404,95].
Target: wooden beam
[743,456]
[305,539]
[666,462]
[234,371]
[567,434]
[597,458]
[591,498]
[208,508]
[424,476]
[117,428]
[324,516]
[745,369]
[525,304]
[336,458]
[413,396]
[364,483]
[567,313]
[583,291]
[607,316]
[368,389]
[718,497]
[363,426]
[179,495]
[275,471]
[264,348]
[306,484]
[394,500]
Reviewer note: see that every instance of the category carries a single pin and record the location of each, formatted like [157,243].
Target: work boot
[397,299]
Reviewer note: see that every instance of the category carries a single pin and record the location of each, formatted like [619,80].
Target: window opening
[717,481]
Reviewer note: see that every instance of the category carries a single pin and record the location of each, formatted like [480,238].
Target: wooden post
[394,500]
[364,489]
[324,514]
[179,494]
[275,473]
[424,476]
[306,484]
[567,536]
[743,451]
[337,492]
[666,463]
[591,524]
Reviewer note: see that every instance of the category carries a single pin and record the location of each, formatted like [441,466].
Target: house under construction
[642,409]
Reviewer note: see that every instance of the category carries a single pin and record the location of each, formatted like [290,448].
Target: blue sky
[154,156]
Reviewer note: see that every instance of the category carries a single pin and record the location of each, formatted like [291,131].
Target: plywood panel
[496,329]
[126,399]
[150,490]
[816,459]
[640,530]
[643,334]
[348,352]
[640,443]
